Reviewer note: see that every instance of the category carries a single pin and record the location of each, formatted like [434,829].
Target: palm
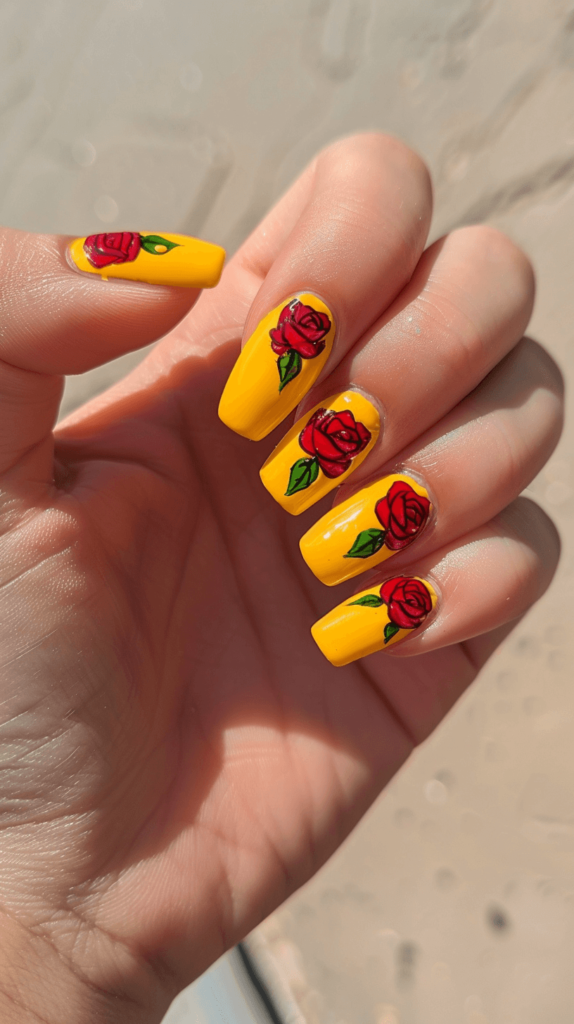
[210,758]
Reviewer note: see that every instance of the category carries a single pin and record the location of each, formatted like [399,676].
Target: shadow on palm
[214,690]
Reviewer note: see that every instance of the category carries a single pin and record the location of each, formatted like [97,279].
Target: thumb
[55,321]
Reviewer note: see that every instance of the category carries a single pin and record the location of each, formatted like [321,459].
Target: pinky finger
[486,579]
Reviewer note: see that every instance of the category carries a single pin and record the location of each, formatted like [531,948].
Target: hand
[177,754]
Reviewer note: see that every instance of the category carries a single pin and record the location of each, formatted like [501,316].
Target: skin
[177,756]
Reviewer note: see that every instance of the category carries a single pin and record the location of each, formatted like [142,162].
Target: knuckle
[363,158]
[374,185]
[532,527]
[376,145]
[505,256]
[542,367]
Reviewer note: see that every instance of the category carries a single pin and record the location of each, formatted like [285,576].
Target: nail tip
[241,431]
[327,581]
[232,418]
[292,510]
[333,660]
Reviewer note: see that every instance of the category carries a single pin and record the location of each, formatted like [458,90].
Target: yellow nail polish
[321,450]
[175,260]
[366,529]
[278,365]
[375,619]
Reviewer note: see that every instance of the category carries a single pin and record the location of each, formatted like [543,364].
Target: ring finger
[459,475]
[462,591]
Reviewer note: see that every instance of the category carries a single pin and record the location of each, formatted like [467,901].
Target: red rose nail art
[403,513]
[300,334]
[408,602]
[123,247]
[333,440]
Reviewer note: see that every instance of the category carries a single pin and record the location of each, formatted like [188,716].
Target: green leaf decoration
[303,473]
[289,366]
[369,600]
[390,631]
[366,544]
[149,243]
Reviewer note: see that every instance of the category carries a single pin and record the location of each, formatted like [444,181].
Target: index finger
[352,249]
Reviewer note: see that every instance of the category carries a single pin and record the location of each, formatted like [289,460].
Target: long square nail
[375,619]
[278,365]
[366,529]
[321,450]
[175,260]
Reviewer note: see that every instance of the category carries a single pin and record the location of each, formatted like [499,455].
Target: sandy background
[453,902]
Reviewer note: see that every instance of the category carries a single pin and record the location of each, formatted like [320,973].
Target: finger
[480,648]
[466,307]
[56,321]
[474,586]
[349,253]
[473,463]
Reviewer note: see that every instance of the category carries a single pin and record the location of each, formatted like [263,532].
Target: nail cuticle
[176,261]
[305,405]
[352,487]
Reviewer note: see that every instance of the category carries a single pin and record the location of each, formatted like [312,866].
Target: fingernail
[175,260]
[366,529]
[375,619]
[277,366]
[321,450]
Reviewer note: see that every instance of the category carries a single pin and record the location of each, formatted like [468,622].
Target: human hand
[177,754]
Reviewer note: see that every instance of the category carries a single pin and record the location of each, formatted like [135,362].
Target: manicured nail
[321,450]
[375,619]
[277,366]
[366,529]
[176,260]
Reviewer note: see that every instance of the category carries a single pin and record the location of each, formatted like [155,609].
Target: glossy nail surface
[375,619]
[321,450]
[276,367]
[366,529]
[175,260]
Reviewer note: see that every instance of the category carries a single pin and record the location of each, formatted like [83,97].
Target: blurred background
[453,901]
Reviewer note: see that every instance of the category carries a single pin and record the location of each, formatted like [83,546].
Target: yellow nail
[277,366]
[176,260]
[321,450]
[375,619]
[366,529]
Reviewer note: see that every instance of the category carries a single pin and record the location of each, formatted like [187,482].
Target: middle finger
[466,306]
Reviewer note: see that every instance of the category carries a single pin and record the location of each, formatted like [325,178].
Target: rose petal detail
[296,339]
[277,343]
[333,469]
[335,438]
[110,247]
[403,513]
[301,328]
[408,601]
